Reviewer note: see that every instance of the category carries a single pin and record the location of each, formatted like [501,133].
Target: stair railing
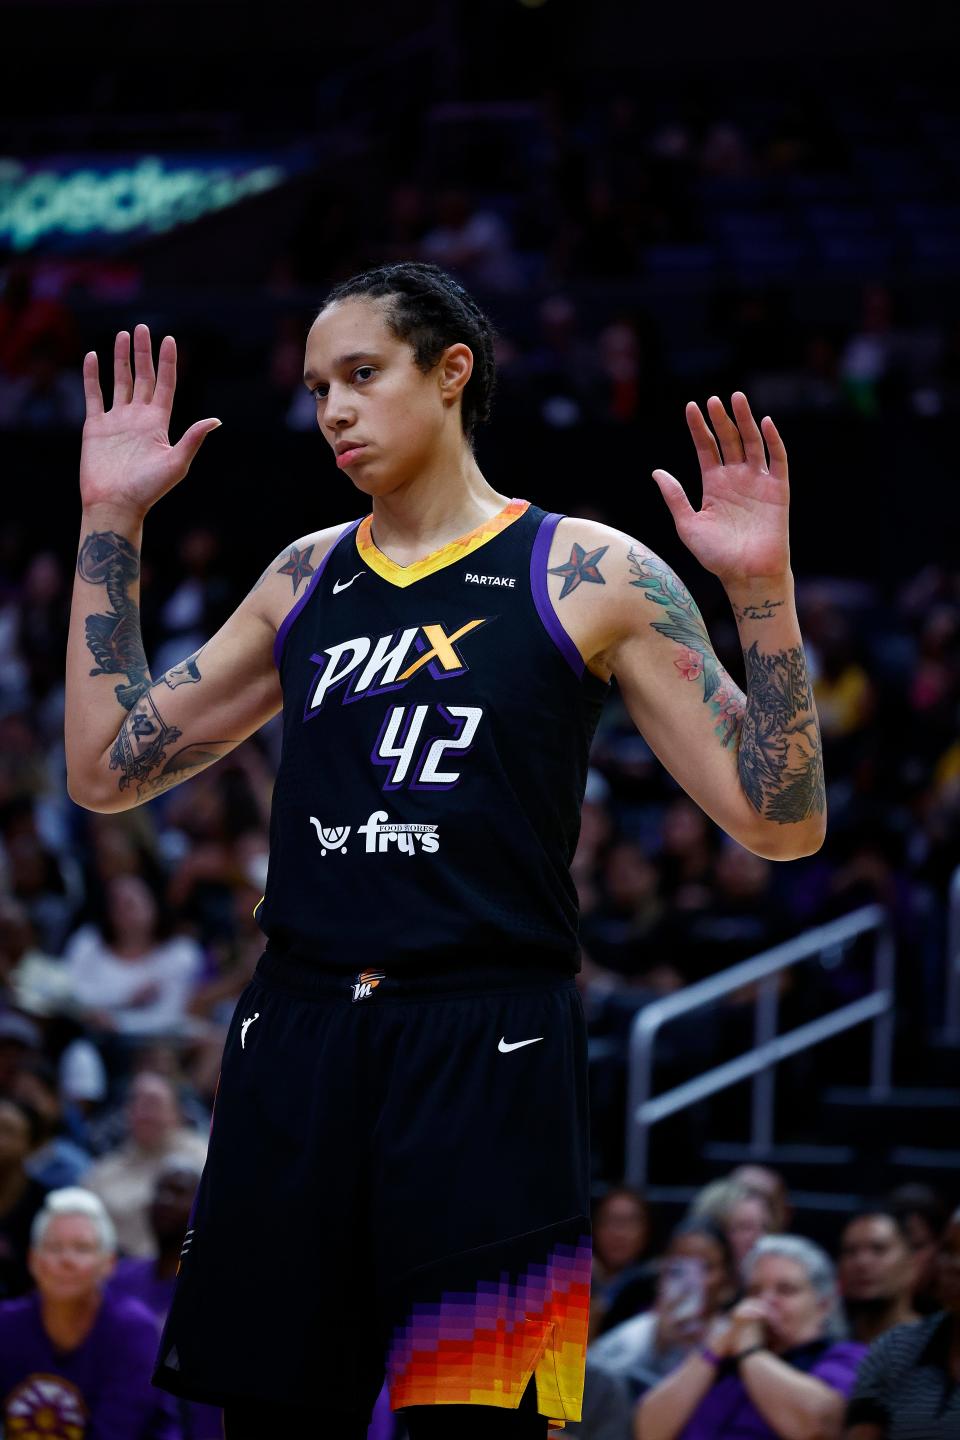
[645,1110]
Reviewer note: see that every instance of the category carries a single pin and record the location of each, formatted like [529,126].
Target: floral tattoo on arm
[683,623]
[779,753]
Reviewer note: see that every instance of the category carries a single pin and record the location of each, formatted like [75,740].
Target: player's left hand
[740,531]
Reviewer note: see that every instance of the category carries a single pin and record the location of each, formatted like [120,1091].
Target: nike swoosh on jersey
[339,585]
[505,1048]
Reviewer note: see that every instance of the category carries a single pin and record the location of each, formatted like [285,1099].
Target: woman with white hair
[74,1361]
[774,1369]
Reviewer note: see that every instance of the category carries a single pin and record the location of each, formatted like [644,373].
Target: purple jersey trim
[539,558]
[294,610]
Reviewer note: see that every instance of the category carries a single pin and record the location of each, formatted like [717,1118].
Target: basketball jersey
[437,721]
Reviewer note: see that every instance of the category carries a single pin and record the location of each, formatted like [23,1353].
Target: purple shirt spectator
[136,1279]
[727,1412]
[100,1390]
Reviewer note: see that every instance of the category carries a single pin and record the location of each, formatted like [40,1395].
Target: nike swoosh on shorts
[505,1048]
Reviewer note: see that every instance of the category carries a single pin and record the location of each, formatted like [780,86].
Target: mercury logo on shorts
[366,982]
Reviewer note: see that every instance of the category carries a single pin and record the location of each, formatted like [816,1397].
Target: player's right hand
[127,460]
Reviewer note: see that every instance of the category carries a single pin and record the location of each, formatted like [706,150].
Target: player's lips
[347,451]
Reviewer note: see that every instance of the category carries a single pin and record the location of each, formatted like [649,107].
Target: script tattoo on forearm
[683,623]
[780,757]
[114,639]
[766,611]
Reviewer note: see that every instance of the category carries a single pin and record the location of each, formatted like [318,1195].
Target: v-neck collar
[448,554]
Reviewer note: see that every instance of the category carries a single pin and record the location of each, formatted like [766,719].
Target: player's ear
[456,367]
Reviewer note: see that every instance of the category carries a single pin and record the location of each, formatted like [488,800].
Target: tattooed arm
[751,760]
[130,736]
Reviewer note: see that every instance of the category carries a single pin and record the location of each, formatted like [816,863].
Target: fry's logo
[373,665]
[381,833]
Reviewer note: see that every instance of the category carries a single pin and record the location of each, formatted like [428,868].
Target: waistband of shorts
[312,978]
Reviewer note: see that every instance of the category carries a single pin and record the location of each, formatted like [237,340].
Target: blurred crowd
[733,1323]
[788,251]
[126,939]
[803,244]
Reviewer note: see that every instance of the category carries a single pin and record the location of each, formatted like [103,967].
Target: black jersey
[437,721]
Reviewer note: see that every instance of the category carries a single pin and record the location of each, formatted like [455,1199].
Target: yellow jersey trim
[449,554]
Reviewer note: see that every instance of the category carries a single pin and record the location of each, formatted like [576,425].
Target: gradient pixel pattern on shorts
[481,1347]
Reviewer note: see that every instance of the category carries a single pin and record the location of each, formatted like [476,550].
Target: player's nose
[339,411]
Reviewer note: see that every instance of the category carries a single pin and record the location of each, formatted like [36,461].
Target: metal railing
[644,1110]
[952,1006]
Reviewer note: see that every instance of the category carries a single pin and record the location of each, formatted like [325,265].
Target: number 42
[416,763]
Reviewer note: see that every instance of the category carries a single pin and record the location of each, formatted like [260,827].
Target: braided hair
[430,310]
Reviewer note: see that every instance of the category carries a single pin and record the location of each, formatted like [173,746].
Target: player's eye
[319,392]
[363,372]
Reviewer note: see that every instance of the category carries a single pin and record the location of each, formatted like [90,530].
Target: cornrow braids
[429,310]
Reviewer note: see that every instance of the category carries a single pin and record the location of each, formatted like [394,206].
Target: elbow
[774,841]
[101,799]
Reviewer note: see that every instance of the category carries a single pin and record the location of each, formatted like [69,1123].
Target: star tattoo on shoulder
[298,565]
[583,565]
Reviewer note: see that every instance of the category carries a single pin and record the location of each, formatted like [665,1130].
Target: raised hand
[127,460]
[740,531]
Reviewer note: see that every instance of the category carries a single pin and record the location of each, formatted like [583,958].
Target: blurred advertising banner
[71,202]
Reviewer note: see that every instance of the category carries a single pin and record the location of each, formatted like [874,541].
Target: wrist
[757,590]
[108,515]
[711,1356]
[755,1349]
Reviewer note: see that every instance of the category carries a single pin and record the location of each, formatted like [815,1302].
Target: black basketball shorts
[397,1183]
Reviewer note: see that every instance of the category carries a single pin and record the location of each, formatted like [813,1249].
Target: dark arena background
[654,204]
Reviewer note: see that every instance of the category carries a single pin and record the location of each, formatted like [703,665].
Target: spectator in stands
[924,1214]
[151,1281]
[742,1213]
[56,1160]
[45,883]
[620,932]
[773,1369]
[74,1361]
[29,979]
[876,1274]
[126,976]
[473,242]
[606,1409]
[125,1178]
[687,853]
[621,1237]
[696,1282]
[198,603]
[19,1037]
[762,1180]
[907,1388]
[20,1195]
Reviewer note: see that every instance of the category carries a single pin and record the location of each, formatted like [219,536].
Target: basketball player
[397,1177]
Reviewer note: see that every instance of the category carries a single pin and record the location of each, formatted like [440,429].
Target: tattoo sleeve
[775,728]
[114,639]
[143,751]
[780,756]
